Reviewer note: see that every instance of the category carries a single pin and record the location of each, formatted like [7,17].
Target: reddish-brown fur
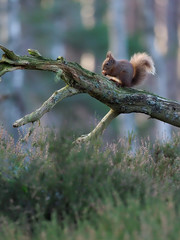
[128,73]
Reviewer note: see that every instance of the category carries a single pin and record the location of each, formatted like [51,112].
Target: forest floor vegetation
[51,190]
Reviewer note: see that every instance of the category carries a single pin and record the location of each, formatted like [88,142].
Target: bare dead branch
[99,129]
[47,105]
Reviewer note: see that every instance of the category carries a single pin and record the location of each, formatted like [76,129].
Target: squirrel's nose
[104,72]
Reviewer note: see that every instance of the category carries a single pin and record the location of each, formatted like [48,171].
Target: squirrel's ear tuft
[109,54]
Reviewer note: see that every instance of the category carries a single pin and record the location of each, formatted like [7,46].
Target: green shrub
[50,190]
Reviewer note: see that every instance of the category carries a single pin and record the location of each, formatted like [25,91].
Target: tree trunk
[172,30]
[118,45]
[11,35]
[161,86]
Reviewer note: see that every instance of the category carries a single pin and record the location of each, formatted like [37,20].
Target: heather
[52,190]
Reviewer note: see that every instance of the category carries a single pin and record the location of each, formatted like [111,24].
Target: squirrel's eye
[107,63]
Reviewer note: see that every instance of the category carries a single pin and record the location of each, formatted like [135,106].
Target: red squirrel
[128,73]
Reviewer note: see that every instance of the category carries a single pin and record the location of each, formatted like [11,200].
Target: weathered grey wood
[47,105]
[99,129]
[120,100]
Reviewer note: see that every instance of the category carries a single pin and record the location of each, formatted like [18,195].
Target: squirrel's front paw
[117,81]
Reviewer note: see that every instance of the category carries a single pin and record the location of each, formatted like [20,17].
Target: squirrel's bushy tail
[143,64]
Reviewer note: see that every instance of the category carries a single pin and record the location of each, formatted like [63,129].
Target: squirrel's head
[108,64]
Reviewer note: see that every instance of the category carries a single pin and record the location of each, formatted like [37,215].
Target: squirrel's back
[142,64]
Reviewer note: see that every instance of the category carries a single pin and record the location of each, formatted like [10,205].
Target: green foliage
[50,190]
[94,39]
[135,43]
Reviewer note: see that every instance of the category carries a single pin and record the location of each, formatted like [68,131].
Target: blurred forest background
[83,31]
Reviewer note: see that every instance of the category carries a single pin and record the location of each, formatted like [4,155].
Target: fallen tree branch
[78,79]
[99,129]
[47,105]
